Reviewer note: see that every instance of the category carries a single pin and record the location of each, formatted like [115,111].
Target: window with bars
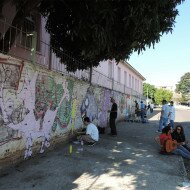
[119,74]
[133,82]
[110,69]
[30,26]
[125,78]
[130,80]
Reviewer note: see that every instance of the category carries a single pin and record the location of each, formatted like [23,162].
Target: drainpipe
[33,50]
[90,77]
[50,59]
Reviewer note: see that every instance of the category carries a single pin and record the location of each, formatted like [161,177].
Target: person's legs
[160,124]
[186,147]
[113,126]
[165,122]
[172,124]
[87,138]
[142,116]
[182,151]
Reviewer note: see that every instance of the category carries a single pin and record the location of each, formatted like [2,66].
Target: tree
[150,89]
[184,87]
[162,94]
[91,31]
[184,84]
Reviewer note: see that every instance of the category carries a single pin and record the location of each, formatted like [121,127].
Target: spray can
[70,149]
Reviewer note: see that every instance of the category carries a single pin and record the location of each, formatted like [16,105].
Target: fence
[26,45]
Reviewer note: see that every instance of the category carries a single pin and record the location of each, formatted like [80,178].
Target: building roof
[133,69]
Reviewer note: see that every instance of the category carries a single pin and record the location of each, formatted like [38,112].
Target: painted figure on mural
[74,109]
[103,115]
[64,114]
[89,107]
[113,116]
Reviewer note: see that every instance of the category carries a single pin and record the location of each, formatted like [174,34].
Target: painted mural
[36,105]
[38,100]
[103,108]
[89,106]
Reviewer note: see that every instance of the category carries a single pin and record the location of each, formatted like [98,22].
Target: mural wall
[37,105]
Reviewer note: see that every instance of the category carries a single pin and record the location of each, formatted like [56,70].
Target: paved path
[127,162]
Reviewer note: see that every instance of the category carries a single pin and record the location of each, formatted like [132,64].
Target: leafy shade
[184,84]
[99,29]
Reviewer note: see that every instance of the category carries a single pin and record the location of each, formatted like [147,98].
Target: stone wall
[39,108]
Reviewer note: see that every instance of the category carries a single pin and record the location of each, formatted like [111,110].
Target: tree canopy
[184,84]
[183,87]
[93,30]
[162,94]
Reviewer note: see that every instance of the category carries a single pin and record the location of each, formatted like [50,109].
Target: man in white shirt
[91,135]
[164,115]
[172,114]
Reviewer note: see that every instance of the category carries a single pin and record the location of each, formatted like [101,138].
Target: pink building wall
[124,67]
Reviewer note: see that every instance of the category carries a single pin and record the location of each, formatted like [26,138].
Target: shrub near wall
[39,107]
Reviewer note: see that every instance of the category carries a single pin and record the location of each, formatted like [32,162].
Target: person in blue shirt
[142,112]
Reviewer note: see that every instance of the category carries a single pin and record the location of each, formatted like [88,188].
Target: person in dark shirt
[113,116]
[179,135]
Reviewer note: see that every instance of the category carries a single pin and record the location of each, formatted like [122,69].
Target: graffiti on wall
[40,100]
[64,113]
[36,104]
[9,79]
[89,106]
[104,107]
[10,74]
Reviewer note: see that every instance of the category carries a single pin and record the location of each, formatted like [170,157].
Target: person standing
[148,110]
[143,112]
[151,107]
[164,116]
[113,116]
[172,114]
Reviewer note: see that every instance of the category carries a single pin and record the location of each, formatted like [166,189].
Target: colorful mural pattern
[43,104]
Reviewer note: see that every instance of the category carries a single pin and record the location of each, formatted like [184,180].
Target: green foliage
[184,98]
[184,84]
[99,29]
[93,30]
[162,94]
[150,89]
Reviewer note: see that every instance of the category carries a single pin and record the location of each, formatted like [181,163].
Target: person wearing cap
[113,116]
[171,114]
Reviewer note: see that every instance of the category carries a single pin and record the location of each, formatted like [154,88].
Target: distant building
[170,88]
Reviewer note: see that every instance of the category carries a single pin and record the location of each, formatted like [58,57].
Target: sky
[170,59]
